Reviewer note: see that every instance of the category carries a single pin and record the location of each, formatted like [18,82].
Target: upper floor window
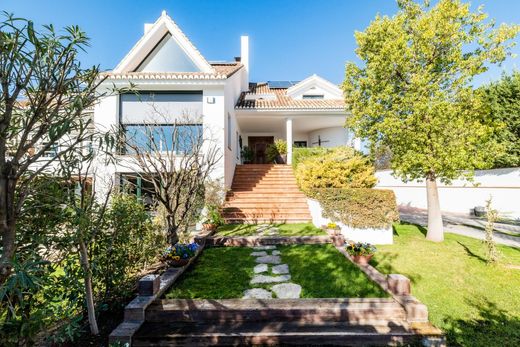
[313,96]
[179,138]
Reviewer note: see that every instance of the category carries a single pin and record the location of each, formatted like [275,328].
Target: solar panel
[281,84]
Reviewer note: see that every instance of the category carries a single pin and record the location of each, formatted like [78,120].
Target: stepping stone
[281,269]
[270,279]
[260,268]
[264,248]
[259,254]
[269,259]
[287,290]
[257,293]
[276,252]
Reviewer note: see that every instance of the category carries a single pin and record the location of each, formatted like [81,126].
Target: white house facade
[164,66]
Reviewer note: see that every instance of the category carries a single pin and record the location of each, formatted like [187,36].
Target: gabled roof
[254,100]
[152,37]
[314,81]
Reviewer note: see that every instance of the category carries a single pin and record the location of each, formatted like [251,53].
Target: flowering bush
[360,248]
[180,251]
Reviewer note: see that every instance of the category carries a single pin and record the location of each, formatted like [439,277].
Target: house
[167,68]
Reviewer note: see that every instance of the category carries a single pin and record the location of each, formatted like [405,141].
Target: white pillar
[288,137]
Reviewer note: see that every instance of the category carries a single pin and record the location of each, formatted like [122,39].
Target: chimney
[147,27]
[244,52]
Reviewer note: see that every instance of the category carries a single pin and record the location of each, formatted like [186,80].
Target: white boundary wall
[502,185]
[382,236]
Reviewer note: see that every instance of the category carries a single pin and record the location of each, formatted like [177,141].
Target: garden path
[272,275]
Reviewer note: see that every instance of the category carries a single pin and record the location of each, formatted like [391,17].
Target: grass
[323,272]
[297,229]
[225,273]
[474,303]
[218,273]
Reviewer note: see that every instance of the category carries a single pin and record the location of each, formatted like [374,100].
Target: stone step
[242,203]
[267,189]
[287,210]
[354,311]
[272,333]
[287,196]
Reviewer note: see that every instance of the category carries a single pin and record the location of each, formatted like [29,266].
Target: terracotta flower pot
[337,239]
[362,259]
[208,227]
[178,263]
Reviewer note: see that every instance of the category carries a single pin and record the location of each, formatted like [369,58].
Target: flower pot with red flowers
[361,252]
[180,254]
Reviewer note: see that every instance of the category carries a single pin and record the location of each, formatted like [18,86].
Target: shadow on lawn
[495,327]
[383,262]
[470,253]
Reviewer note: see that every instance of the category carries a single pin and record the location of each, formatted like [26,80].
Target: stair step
[266,204]
[265,210]
[270,333]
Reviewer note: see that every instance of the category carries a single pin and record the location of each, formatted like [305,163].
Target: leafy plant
[247,154]
[341,167]
[360,207]
[332,226]
[360,248]
[275,151]
[214,216]
[492,217]
[180,251]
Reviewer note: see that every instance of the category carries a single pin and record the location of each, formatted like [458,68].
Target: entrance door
[258,145]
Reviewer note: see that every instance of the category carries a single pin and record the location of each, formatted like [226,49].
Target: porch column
[288,138]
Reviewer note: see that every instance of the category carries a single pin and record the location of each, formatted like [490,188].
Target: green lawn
[323,272]
[297,229]
[225,272]
[474,303]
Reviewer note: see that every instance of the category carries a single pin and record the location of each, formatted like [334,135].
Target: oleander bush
[340,167]
[358,207]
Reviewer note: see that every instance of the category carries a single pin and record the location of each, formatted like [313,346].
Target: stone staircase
[236,322]
[265,193]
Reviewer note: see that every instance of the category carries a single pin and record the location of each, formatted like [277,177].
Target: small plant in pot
[213,219]
[333,229]
[179,254]
[361,252]
[277,152]
[247,155]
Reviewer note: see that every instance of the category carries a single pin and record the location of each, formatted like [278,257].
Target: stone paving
[273,275]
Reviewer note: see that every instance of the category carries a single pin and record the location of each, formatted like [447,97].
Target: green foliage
[503,99]
[293,229]
[341,167]
[275,151]
[359,207]
[214,216]
[247,154]
[413,93]
[302,153]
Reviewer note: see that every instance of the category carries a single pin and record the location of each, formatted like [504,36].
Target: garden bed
[244,230]
[227,272]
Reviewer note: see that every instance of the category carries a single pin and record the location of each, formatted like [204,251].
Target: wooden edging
[151,287]
[251,241]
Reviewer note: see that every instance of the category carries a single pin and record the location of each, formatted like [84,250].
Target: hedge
[358,207]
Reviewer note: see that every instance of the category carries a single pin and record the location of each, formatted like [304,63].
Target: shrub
[276,150]
[341,167]
[360,207]
[301,154]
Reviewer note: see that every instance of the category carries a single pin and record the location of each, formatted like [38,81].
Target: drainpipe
[289,139]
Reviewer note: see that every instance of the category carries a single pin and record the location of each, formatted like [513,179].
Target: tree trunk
[173,237]
[89,296]
[435,228]
[7,226]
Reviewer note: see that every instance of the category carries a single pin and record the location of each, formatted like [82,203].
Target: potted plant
[277,152]
[179,254]
[213,219]
[335,234]
[247,155]
[361,252]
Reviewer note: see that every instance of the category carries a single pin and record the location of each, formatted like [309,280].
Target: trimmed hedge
[358,207]
[340,167]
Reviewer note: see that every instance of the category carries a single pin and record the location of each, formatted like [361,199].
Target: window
[313,96]
[139,186]
[300,143]
[51,152]
[229,131]
[237,145]
[162,137]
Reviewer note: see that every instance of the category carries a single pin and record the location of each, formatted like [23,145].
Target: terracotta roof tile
[281,101]
[222,71]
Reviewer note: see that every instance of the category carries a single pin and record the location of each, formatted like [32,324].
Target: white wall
[335,136]
[502,185]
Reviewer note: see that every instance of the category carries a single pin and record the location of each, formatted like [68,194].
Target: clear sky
[289,39]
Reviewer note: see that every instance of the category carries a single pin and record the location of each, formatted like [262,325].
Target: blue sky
[290,39]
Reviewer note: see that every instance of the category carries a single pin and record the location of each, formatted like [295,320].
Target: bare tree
[44,92]
[177,157]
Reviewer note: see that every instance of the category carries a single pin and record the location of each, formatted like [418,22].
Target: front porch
[298,130]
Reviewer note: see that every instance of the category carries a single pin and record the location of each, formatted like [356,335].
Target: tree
[503,98]
[44,92]
[414,96]
[177,160]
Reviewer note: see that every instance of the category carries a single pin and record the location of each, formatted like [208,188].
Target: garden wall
[502,185]
[377,236]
